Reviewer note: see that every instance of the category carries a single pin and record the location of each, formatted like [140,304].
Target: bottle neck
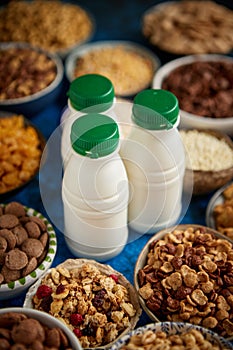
[103,108]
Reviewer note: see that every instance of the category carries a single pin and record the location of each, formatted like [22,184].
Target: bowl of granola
[107,306]
[22,146]
[28,248]
[55,26]
[184,274]
[128,65]
[30,78]
[173,335]
[26,328]
[203,85]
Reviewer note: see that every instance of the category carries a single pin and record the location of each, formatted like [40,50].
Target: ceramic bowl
[105,273]
[155,313]
[32,104]
[206,181]
[45,320]
[189,120]
[125,85]
[173,328]
[14,288]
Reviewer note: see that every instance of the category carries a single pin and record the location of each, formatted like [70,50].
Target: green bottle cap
[91,90]
[94,135]
[155,109]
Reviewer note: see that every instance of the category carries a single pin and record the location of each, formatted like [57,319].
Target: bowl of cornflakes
[129,66]
[171,335]
[107,306]
[22,145]
[203,85]
[28,248]
[55,26]
[219,212]
[30,78]
[31,329]
[184,274]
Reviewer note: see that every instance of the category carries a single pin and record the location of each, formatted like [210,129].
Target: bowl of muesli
[203,85]
[28,247]
[184,274]
[95,301]
[172,335]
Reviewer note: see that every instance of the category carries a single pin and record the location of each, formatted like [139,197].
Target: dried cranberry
[60,289]
[114,277]
[77,332]
[45,303]
[43,291]
[76,319]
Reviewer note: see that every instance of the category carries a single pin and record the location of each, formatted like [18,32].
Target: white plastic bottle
[89,93]
[154,158]
[95,190]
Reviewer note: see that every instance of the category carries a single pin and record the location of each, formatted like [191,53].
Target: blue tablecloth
[115,20]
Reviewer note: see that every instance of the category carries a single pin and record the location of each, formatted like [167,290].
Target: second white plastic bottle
[95,190]
[154,158]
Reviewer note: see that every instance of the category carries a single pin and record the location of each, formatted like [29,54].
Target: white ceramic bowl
[34,103]
[173,328]
[82,50]
[15,288]
[46,320]
[142,262]
[188,120]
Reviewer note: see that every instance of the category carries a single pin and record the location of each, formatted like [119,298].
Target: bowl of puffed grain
[184,274]
[172,335]
[209,160]
[30,78]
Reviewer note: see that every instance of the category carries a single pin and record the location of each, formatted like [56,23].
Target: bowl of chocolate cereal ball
[203,85]
[30,78]
[184,274]
[22,146]
[209,160]
[32,329]
[171,335]
[92,299]
[28,248]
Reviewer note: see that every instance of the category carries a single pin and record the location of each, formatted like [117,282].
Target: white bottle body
[95,197]
[155,164]
[68,117]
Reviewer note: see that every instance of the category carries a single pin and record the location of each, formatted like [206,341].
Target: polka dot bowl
[14,288]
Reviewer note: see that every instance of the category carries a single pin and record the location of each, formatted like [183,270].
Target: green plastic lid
[91,90]
[155,109]
[94,135]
